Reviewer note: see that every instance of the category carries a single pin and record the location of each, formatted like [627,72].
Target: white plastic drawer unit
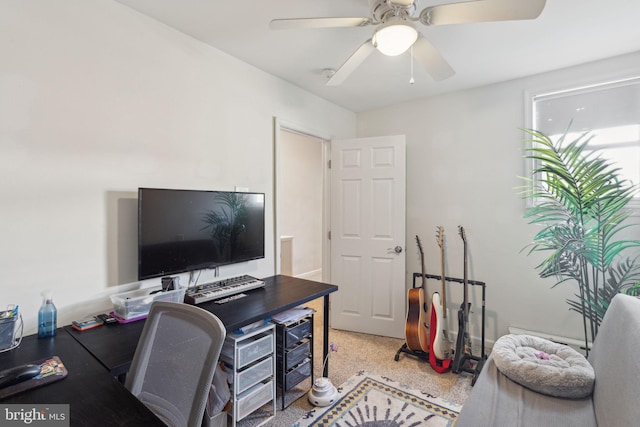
[255,374]
[254,398]
[249,350]
[250,357]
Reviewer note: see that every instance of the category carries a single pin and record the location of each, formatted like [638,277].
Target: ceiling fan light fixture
[394,37]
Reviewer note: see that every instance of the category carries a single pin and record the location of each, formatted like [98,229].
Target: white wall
[464,158]
[96,101]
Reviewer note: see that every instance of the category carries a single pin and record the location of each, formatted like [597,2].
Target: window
[609,111]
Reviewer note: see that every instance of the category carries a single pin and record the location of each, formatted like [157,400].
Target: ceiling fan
[397,32]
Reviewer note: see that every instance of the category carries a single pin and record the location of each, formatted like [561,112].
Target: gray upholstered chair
[175,361]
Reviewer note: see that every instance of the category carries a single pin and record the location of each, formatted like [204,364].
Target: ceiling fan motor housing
[381,10]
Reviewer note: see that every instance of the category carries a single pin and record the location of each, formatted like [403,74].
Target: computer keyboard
[221,288]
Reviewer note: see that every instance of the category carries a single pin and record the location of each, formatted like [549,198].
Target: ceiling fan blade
[482,11]
[301,23]
[431,60]
[351,64]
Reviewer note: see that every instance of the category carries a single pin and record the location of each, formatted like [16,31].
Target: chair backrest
[175,361]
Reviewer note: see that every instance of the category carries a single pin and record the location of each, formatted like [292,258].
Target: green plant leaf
[580,205]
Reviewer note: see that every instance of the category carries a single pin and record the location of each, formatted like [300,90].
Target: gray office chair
[175,361]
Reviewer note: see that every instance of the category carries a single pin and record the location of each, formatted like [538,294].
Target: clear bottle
[47,317]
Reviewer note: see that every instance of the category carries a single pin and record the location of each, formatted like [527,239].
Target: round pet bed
[544,366]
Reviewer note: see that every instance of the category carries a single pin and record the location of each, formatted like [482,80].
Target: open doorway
[301,204]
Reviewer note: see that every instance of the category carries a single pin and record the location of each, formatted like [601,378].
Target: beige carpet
[371,353]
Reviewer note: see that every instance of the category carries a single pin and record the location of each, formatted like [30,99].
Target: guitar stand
[472,365]
[405,349]
[469,363]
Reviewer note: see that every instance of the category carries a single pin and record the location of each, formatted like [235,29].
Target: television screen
[185,230]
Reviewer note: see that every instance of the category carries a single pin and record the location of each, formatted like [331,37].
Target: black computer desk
[115,345]
[95,398]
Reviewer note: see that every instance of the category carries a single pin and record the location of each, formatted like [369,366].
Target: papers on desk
[250,327]
[292,316]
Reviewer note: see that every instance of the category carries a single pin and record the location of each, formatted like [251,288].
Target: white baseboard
[316,274]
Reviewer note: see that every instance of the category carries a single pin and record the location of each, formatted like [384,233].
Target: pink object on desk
[123,320]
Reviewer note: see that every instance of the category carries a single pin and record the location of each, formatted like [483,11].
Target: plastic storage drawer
[255,374]
[249,351]
[297,333]
[254,398]
[296,375]
[295,355]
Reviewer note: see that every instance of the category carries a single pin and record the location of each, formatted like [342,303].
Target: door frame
[280,125]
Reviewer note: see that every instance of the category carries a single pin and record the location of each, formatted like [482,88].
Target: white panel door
[368,235]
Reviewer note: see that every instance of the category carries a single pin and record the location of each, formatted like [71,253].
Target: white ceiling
[568,32]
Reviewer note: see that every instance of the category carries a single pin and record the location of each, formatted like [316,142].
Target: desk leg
[325,336]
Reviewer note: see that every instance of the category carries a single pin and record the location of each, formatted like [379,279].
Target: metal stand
[469,363]
[472,365]
[294,361]
[405,349]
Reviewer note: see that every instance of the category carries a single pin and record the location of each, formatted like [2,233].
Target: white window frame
[531,97]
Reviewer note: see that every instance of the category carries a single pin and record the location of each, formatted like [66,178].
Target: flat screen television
[186,230]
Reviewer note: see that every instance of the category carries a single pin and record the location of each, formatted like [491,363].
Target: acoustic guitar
[463,341]
[415,331]
[440,354]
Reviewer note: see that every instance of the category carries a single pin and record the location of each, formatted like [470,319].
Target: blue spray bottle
[47,317]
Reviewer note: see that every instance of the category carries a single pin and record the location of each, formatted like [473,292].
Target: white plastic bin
[129,305]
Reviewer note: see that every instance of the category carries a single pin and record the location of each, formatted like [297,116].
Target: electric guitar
[415,331]
[463,341]
[440,354]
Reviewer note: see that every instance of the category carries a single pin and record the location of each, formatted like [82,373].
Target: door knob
[397,249]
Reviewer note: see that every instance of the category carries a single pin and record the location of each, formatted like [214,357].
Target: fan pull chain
[411,80]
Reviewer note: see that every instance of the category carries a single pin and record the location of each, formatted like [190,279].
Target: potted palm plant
[581,204]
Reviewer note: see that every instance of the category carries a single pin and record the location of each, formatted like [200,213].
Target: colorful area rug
[369,400]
